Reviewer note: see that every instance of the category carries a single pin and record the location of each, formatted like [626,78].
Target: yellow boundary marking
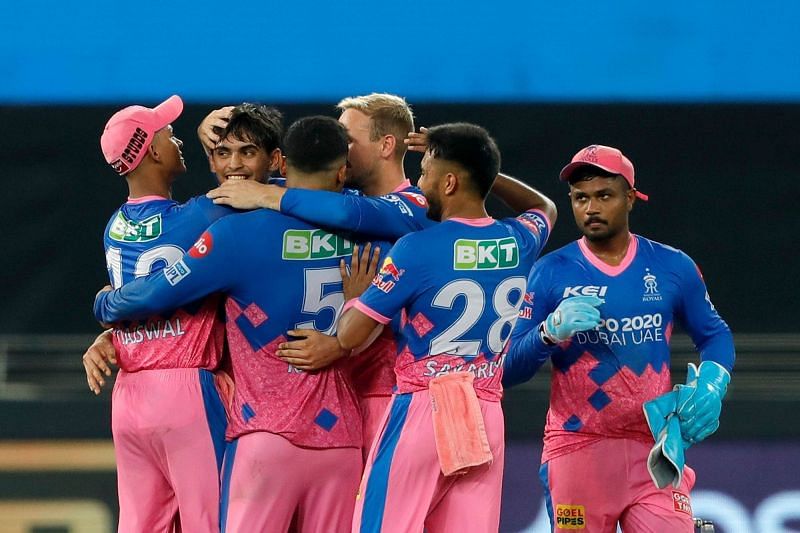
[59,455]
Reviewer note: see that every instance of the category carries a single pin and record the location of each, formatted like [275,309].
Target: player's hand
[578,313]
[216,119]
[248,194]
[363,269]
[417,141]
[312,351]
[96,360]
[700,400]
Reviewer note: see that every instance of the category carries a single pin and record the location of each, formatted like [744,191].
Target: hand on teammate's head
[216,119]
[417,141]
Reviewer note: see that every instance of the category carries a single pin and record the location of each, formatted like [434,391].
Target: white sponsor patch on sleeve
[176,272]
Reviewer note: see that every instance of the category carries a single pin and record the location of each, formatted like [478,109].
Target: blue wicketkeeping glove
[572,315]
[666,459]
[700,400]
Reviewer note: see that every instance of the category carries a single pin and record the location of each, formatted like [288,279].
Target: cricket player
[603,309]
[295,436]
[389,208]
[437,463]
[168,422]
[246,147]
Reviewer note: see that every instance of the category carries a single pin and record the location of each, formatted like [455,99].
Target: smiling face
[601,206]
[235,159]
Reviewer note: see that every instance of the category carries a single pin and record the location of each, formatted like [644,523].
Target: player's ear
[283,166]
[387,146]
[153,151]
[341,175]
[631,198]
[450,183]
[275,159]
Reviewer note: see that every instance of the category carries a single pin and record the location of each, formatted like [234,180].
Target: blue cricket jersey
[146,235]
[386,217]
[602,377]
[279,273]
[457,287]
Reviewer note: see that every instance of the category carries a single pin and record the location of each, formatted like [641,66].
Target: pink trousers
[269,484]
[403,489]
[605,483]
[169,438]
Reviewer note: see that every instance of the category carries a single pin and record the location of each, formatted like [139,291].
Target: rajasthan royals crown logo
[650,287]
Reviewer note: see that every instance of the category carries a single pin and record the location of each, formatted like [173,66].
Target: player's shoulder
[408,194]
[663,252]
[568,254]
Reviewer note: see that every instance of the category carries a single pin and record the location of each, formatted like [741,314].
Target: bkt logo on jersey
[314,244]
[485,255]
[585,290]
[124,230]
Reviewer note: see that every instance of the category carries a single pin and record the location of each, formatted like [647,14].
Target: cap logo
[590,154]
[119,166]
[134,146]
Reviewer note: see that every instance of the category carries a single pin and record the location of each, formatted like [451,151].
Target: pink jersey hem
[374,315]
[605,268]
[478,222]
[143,199]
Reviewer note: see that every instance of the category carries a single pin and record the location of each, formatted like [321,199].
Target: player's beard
[434,211]
[604,234]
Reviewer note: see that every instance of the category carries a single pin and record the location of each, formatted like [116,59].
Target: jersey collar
[605,268]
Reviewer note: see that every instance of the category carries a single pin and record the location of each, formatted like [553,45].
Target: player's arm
[386,217]
[517,195]
[700,400]
[202,271]
[527,350]
[711,335]
[521,197]
[534,340]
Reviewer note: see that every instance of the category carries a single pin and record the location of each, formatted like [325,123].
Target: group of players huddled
[317,345]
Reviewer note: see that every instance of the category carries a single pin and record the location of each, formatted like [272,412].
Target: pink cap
[129,133]
[605,158]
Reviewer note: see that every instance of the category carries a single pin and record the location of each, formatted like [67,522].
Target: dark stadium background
[710,120]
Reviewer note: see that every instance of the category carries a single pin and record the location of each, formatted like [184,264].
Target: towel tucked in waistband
[458,426]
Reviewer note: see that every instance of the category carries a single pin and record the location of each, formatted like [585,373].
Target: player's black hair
[314,144]
[469,146]
[257,123]
[587,172]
